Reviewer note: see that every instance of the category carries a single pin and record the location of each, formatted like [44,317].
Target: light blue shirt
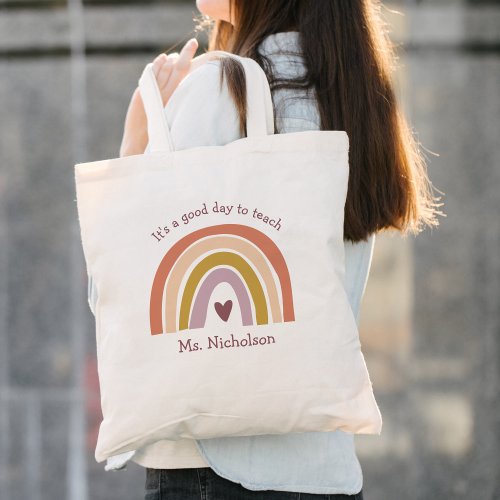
[311,462]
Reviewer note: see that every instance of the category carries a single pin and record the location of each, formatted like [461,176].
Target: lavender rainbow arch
[217,276]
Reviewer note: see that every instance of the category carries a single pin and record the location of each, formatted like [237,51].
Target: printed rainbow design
[224,253]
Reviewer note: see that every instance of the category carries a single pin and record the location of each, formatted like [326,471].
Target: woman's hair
[349,60]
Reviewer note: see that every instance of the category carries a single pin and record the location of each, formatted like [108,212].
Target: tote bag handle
[260,116]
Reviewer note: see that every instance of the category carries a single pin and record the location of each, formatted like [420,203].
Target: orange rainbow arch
[228,251]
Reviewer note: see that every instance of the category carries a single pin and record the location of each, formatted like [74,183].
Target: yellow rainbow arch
[217,259]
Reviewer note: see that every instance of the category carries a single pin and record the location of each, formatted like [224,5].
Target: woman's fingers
[170,69]
[158,63]
[165,69]
[180,68]
[187,53]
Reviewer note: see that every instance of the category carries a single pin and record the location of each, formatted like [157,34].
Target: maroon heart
[224,310]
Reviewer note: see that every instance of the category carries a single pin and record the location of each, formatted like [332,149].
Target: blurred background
[430,320]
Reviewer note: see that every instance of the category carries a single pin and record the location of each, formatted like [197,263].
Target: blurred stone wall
[430,320]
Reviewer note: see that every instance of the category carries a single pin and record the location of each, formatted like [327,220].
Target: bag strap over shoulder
[260,119]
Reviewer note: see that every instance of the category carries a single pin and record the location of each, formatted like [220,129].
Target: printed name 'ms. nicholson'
[217,342]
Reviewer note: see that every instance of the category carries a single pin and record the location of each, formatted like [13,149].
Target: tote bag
[221,306]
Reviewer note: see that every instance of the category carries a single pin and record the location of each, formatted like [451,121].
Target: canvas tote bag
[221,306]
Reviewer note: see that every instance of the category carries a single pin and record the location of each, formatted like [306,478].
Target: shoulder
[201,112]
[205,77]
[201,86]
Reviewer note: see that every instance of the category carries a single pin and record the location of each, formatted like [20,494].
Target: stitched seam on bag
[99,170]
[367,384]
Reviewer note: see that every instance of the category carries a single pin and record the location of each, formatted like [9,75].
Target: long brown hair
[349,59]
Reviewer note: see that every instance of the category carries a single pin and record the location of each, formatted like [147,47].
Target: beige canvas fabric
[221,305]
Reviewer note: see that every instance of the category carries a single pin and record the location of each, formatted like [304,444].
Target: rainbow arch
[239,255]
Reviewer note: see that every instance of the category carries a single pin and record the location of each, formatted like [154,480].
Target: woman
[328,63]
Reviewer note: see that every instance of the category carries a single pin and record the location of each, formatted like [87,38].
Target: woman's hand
[169,71]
